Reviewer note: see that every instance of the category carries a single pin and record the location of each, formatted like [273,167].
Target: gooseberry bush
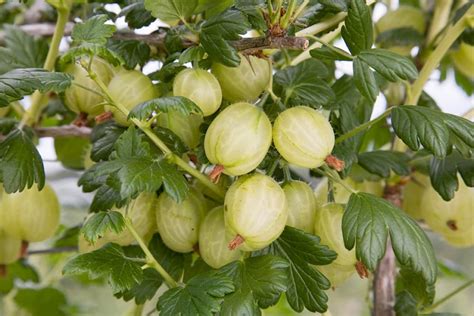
[233,168]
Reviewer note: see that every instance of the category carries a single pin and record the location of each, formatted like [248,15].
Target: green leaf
[306,284]
[18,271]
[358,31]
[93,31]
[7,124]
[90,49]
[110,262]
[46,301]
[364,80]
[444,173]
[417,125]
[326,53]
[219,29]
[422,292]
[180,104]
[405,304]
[366,223]
[133,169]
[133,52]
[103,139]
[171,140]
[381,162]
[201,295]
[337,5]
[171,261]
[136,15]
[192,54]
[16,84]
[106,198]
[20,163]
[403,36]
[389,65]
[168,10]
[21,50]
[258,280]
[304,84]
[101,222]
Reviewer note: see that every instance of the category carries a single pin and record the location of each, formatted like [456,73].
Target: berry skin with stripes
[10,248]
[201,87]
[256,212]
[30,215]
[303,136]
[301,205]
[214,239]
[245,82]
[178,223]
[129,88]
[239,138]
[80,100]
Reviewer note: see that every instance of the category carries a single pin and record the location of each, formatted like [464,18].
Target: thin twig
[63,131]
[52,250]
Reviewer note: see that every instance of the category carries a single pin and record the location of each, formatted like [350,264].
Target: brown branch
[64,131]
[384,278]
[157,39]
[52,250]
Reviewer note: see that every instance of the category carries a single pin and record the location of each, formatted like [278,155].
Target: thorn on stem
[237,241]
[3,270]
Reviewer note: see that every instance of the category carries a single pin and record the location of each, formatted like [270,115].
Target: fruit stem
[151,261]
[285,20]
[334,176]
[38,99]
[156,140]
[452,33]
[414,92]
[439,20]
[363,127]
[448,296]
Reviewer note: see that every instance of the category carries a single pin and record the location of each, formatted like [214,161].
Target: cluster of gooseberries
[256,207]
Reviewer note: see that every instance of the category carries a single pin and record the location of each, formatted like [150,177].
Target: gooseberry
[71,151]
[129,88]
[80,100]
[238,139]
[452,219]
[245,82]
[256,211]
[10,248]
[412,194]
[301,205]
[31,215]
[178,223]
[328,226]
[201,87]
[303,136]
[214,240]
[186,127]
